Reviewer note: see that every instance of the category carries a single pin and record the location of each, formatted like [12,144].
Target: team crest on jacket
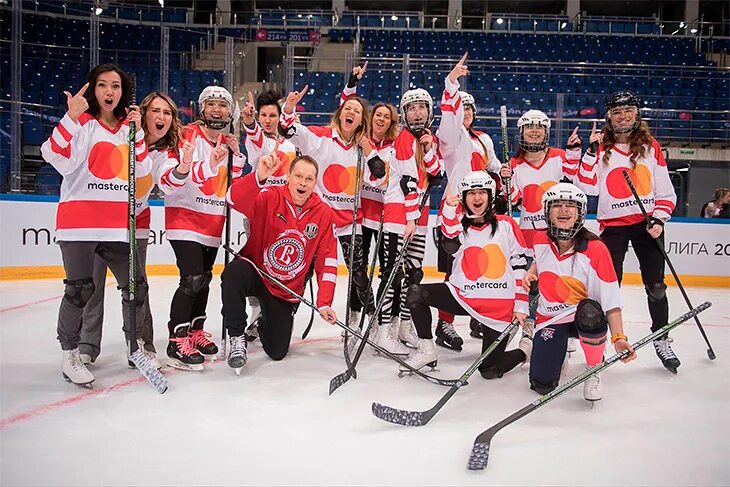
[285,258]
[546,333]
[310,230]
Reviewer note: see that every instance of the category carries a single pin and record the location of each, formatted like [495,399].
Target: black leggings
[651,264]
[193,259]
[439,296]
[239,281]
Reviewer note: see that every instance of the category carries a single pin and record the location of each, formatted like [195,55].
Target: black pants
[388,253]
[359,268]
[549,346]
[193,259]
[239,281]
[438,296]
[651,264]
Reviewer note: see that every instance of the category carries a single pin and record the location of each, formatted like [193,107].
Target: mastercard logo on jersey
[108,161]
[286,159]
[488,261]
[532,195]
[339,179]
[640,177]
[217,185]
[561,289]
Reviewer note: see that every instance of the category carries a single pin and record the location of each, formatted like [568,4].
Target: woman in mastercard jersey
[89,147]
[626,144]
[464,149]
[573,270]
[162,130]
[337,148]
[195,213]
[486,277]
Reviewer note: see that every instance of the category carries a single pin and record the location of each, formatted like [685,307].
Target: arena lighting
[500,21]
[299,16]
[162,3]
[98,10]
[562,26]
[394,17]
[693,31]
[681,25]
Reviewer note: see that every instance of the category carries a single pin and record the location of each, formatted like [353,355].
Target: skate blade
[176,364]
[85,385]
[213,357]
[592,402]
[431,368]
[237,370]
[443,344]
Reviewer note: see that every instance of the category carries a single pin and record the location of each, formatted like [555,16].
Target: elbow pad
[450,245]
[352,81]
[377,167]
[408,185]
[287,133]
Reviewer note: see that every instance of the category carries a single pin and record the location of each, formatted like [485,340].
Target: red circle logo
[339,179]
[640,177]
[488,261]
[561,289]
[532,195]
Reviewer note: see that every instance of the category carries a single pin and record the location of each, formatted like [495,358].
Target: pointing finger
[463,58]
[593,130]
[68,96]
[250,98]
[83,90]
[364,67]
[575,130]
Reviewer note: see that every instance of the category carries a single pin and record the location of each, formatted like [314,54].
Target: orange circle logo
[109,161]
[286,159]
[488,261]
[143,185]
[217,184]
[532,195]
[339,179]
[561,289]
[640,177]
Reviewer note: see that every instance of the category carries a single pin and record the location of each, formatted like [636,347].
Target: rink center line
[48,408]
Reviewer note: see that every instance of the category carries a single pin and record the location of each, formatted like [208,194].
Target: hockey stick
[650,223]
[480,451]
[369,290]
[340,379]
[137,356]
[353,235]
[306,302]
[421,418]
[505,152]
[311,315]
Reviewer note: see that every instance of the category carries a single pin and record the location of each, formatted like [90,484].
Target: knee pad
[139,296]
[656,292]
[450,245]
[590,318]
[192,284]
[79,291]
[360,278]
[414,275]
[416,296]
[385,273]
[541,388]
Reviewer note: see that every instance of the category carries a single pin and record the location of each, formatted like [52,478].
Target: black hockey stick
[229,179]
[348,361]
[505,152]
[340,379]
[137,356]
[306,302]
[421,418]
[650,223]
[311,315]
[353,235]
[480,451]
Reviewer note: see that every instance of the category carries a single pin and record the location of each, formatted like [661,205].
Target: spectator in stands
[719,207]
[89,148]
[162,129]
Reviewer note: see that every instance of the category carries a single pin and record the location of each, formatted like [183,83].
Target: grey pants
[92,317]
[78,262]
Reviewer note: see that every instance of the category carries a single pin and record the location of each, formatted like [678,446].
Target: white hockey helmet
[533,118]
[416,96]
[215,93]
[477,180]
[468,99]
[564,192]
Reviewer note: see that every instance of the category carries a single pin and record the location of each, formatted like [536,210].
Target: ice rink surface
[276,424]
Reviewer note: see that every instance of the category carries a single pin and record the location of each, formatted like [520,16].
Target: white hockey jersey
[259,144]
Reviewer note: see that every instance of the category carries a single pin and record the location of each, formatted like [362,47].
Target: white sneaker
[424,355]
[74,370]
[407,333]
[388,338]
[572,344]
[592,387]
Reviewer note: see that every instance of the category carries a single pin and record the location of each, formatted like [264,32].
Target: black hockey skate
[476,329]
[201,338]
[447,337]
[666,354]
[252,331]
[182,352]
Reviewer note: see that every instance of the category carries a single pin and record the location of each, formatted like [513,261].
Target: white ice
[276,424]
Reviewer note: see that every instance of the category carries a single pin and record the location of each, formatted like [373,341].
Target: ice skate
[74,370]
[353,321]
[526,346]
[152,356]
[407,334]
[388,338]
[475,329]
[424,355]
[252,331]
[572,344]
[665,353]
[86,359]
[201,339]
[238,355]
[592,388]
[447,337]
[182,352]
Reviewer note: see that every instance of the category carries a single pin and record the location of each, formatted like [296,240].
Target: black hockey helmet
[623,98]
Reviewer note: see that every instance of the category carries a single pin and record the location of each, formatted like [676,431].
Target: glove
[377,167]
[352,81]
[287,133]
[500,205]
[576,145]
[408,184]
[435,181]
[450,245]
[655,221]
[593,147]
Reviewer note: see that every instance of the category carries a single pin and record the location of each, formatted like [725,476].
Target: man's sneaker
[237,354]
[182,351]
[592,387]
[666,354]
[447,337]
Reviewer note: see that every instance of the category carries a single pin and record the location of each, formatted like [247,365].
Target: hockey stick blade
[479,456]
[149,371]
[400,416]
[710,351]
